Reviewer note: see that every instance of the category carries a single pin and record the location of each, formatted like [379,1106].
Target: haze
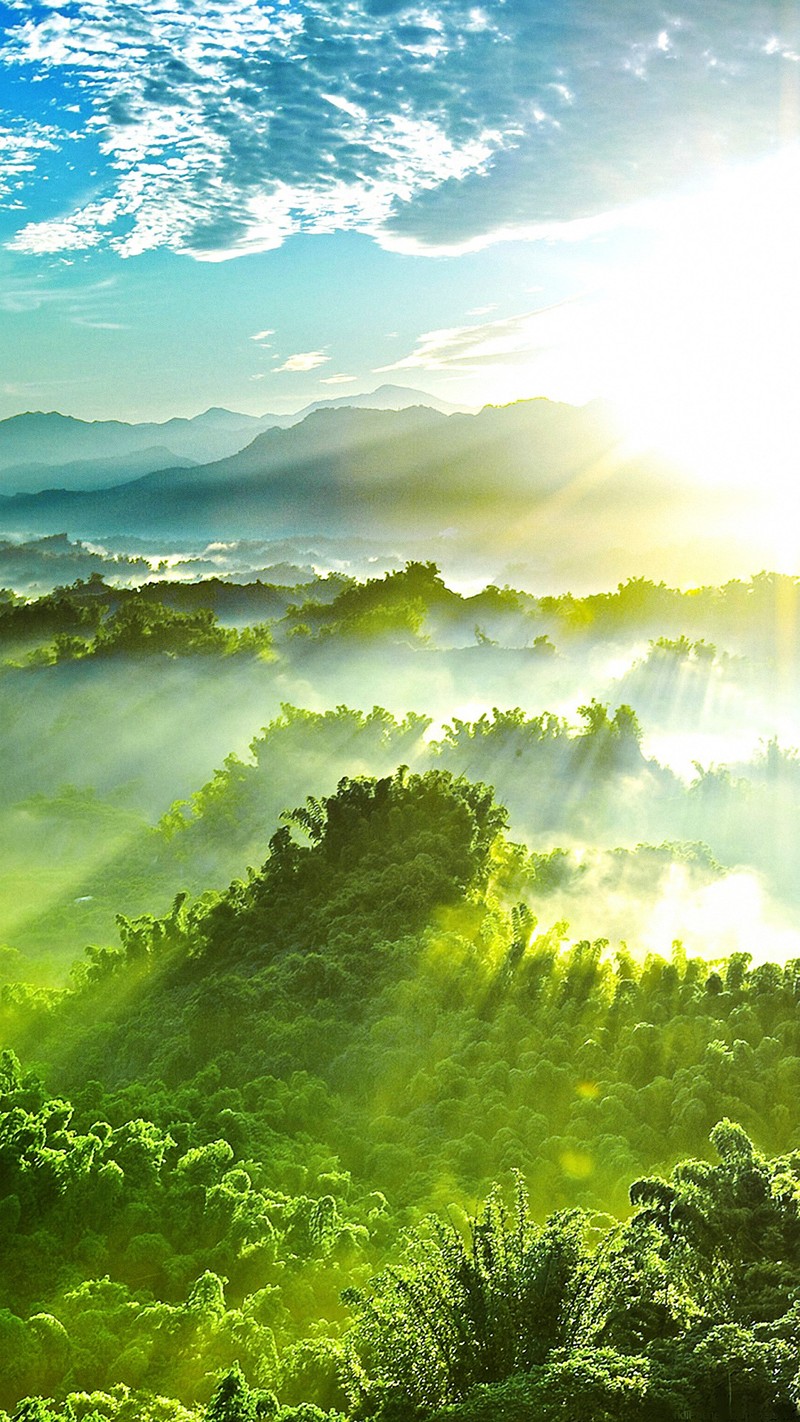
[399,687]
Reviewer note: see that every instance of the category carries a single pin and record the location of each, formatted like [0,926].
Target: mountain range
[535,489]
[49,450]
[523,478]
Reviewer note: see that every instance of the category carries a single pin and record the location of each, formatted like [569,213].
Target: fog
[538,494]
[528,694]
[427,998]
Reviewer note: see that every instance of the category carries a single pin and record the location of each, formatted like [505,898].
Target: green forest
[399,993]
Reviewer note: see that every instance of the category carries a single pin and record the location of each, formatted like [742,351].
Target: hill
[48,451]
[254,1093]
[412,472]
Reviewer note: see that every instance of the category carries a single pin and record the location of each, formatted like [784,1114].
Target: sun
[702,339]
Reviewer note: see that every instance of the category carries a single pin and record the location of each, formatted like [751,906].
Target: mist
[641,717]
[399,906]
[264,924]
[537,493]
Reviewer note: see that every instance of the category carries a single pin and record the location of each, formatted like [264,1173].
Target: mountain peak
[386,397]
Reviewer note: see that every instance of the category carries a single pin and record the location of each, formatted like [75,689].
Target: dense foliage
[358,1030]
[751,617]
[347,1133]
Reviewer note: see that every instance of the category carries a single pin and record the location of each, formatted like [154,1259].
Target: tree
[469,1309]
[233,1399]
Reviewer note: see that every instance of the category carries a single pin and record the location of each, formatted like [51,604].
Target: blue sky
[259,204]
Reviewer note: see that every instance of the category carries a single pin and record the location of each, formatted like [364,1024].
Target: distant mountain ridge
[362,471]
[534,484]
[48,450]
[386,397]
[90,473]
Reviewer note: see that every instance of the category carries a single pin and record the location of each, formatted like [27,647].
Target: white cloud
[471,348]
[80,300]
[354,110]
[262,336]
[99,325]
[338,379]
[21,144]
[226,127]
[555,348]
[71,234]
[572,230]
[304,360]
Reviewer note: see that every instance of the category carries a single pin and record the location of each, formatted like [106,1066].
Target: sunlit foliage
[249,1151]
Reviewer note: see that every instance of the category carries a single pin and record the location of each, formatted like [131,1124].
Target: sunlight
[683,750]
[702,359]
[731,915]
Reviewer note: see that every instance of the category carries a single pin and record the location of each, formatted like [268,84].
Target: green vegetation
[338,1120]
[139,629]
[298,1067]
[753,618]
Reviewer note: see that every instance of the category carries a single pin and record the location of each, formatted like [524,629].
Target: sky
[256,205]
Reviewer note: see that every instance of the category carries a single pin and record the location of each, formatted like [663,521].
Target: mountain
[45,451]
[90,473]
[516,478]
[386,397]
[51,450]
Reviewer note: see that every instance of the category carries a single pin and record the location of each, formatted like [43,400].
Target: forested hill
[174,723]
[236,1113]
